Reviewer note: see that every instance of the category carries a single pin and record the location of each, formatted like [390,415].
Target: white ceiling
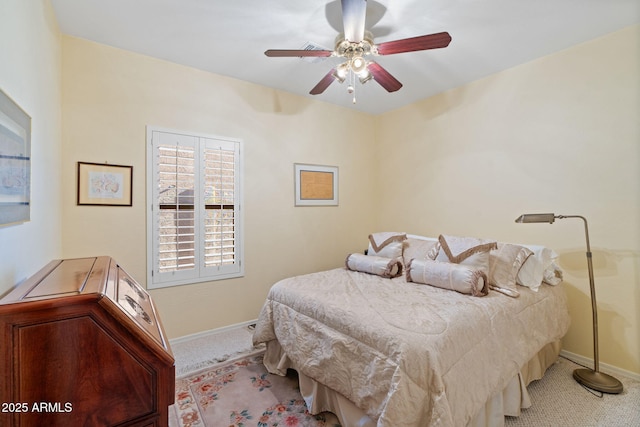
[229,37]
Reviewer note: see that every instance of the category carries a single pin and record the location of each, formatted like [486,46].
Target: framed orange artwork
[316,185]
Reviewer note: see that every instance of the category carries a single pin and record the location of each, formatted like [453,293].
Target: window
[194,220]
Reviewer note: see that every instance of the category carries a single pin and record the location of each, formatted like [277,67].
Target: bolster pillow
[383,267]
[446,275]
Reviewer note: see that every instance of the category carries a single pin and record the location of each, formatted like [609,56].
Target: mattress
[406,354]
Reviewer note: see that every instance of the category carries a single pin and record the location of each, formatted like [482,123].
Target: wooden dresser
[82,345]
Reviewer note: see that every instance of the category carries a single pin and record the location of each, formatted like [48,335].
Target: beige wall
[30,75]
[110,95]
[560,134]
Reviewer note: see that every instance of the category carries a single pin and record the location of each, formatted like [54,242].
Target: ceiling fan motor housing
[349,49]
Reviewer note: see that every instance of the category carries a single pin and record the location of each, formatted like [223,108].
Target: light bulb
[342,71]
[365,77]
[358,64]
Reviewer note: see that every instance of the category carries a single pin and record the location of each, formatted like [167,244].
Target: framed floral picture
[104,184]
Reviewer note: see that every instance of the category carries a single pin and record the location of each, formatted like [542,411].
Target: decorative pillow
[531,274]
[447,275]
[434,251]
[417,248]
[552,275]
[504,264]
[533,270]
[467,251]
[386,244]
[371,264]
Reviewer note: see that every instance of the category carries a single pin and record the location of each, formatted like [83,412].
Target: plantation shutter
[220,175]
[195,209]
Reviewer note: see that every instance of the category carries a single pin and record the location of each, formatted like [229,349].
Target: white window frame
[200,273]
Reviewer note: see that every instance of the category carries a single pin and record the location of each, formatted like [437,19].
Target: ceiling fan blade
[354,13]
[384,78]
[431,41]
[324,83]
[281,53]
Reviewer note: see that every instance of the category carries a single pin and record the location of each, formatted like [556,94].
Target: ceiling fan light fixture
[358,65]
[364,73]
[338,77]
[341,72]
[365,78]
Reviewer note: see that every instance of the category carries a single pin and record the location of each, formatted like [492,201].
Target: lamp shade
[543,217]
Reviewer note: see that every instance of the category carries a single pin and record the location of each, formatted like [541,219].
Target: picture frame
[102,184]
[15,162]
[315,185]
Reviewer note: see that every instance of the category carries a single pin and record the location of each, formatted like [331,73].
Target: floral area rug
[241,393]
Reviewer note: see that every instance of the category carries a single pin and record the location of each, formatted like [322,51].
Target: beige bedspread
[408,354]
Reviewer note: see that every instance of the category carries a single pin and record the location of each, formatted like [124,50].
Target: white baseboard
[211,332]
[608,369]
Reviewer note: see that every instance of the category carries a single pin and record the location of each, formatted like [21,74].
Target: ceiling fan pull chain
[352,86]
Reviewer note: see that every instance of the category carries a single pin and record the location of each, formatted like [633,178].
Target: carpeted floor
[199,352]
[557,399]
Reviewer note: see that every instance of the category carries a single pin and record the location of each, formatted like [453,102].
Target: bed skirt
[513,398]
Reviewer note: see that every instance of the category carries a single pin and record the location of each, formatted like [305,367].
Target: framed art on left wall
[15,162]
[101,184]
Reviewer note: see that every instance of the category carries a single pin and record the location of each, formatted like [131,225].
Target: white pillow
[391,250]
[446,275]
[383,267]
[478,261]
[418,237]
[469,251]
[417,248]
[532,272]
[388,245]
[504,264]
[552,275]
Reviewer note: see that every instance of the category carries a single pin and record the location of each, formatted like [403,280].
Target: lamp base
[597,381]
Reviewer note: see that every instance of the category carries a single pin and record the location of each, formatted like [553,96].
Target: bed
[380,351]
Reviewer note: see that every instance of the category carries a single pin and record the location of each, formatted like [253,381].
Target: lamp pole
[594,379]
[592,287]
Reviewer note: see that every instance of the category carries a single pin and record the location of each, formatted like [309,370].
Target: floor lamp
[592,378]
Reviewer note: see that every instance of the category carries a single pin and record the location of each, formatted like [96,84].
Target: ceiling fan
[356,46]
